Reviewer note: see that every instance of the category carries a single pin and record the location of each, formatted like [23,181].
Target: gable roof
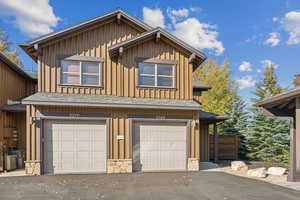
[15,67]
[113,49]
[84,24]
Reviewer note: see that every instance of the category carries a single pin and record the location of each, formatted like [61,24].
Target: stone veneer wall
[119,166]
[33,167]
[193,164]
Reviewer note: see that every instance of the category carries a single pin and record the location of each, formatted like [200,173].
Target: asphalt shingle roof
[109,101]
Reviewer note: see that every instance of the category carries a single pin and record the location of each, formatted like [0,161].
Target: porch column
[216,143]
[295,165]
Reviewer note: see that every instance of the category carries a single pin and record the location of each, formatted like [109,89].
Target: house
[15,84]
[287,104]
[115,95]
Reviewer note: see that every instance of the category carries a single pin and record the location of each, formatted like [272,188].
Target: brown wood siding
[204,141]
[119,75]
[119,124]
[12,87]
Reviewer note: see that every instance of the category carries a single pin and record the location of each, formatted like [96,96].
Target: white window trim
[155,75]
[80,73]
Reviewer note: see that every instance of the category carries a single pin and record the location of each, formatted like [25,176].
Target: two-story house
[114,95]
[15,84]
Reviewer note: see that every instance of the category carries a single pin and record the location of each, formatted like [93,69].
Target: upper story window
[81,73]
[156,75]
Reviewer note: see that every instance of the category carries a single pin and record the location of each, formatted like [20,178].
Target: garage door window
[156,75]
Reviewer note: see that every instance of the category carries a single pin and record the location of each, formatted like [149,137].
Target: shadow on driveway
[175,185]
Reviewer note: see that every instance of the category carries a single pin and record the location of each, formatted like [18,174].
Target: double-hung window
[81,73]
[156,75]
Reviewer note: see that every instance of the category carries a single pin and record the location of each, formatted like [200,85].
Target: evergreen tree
[218,98]
[268,86]
[236,124]
[267,138]
[5,47]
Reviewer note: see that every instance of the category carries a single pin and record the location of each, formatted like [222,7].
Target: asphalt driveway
[179,185]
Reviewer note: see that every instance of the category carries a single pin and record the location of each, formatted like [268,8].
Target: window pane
[90,67]
[166,70]
[90,80]
[70,66]
[165,81]
[147,80]
[70,79]
[146,68]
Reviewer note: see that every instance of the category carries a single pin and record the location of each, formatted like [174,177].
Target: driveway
[177,185]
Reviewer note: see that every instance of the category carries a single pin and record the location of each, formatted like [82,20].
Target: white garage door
[74,146]
[159,146]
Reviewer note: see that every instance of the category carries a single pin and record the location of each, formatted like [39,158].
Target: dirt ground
[175,186]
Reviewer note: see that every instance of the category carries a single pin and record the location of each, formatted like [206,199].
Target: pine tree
[267,138]
[268,86]
[218,98]
[236,124]
[5,47]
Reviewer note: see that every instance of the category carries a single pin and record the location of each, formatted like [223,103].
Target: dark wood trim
[155,61]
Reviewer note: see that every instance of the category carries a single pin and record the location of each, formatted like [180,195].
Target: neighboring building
[115,95]
[15,84]
[287,104]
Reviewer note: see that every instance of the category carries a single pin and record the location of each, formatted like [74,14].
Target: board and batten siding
[119,124]
[13,86]
[119,74]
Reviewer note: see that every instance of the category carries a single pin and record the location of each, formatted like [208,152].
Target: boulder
[239,166]
[277,171]
[258,172]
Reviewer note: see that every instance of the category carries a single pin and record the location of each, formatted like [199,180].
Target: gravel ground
[176,185]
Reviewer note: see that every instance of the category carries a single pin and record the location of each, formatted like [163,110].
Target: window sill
[80,86]
[153,87]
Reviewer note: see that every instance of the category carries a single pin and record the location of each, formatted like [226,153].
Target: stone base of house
[119,166]
[33,167]
[193,164]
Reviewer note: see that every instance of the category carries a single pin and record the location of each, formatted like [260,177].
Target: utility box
[10,162]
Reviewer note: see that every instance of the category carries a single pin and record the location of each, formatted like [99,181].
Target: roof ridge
[87,22]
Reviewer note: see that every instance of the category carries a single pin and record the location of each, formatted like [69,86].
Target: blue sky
[247,33]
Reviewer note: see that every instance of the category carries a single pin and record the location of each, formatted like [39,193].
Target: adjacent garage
[73,146]
[159,146]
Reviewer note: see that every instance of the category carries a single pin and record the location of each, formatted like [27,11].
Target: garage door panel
[159,146]
[74,146]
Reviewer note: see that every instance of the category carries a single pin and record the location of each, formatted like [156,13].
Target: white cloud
[176,15]
[245,82]
[274,19]
[245,66]
[154,17]
[258,71]
[273,40]
[291,24]
[189,29]
[33,17]
[268,62]
[199,35]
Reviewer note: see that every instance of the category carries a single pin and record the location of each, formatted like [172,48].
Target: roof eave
[15,67]
[141,106]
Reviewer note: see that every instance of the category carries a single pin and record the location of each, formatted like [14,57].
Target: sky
[249,34]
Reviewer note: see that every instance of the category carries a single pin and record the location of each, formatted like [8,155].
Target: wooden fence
[228,147]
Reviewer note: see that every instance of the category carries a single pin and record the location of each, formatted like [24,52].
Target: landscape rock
[258,172]
[277,171]
[239,166]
